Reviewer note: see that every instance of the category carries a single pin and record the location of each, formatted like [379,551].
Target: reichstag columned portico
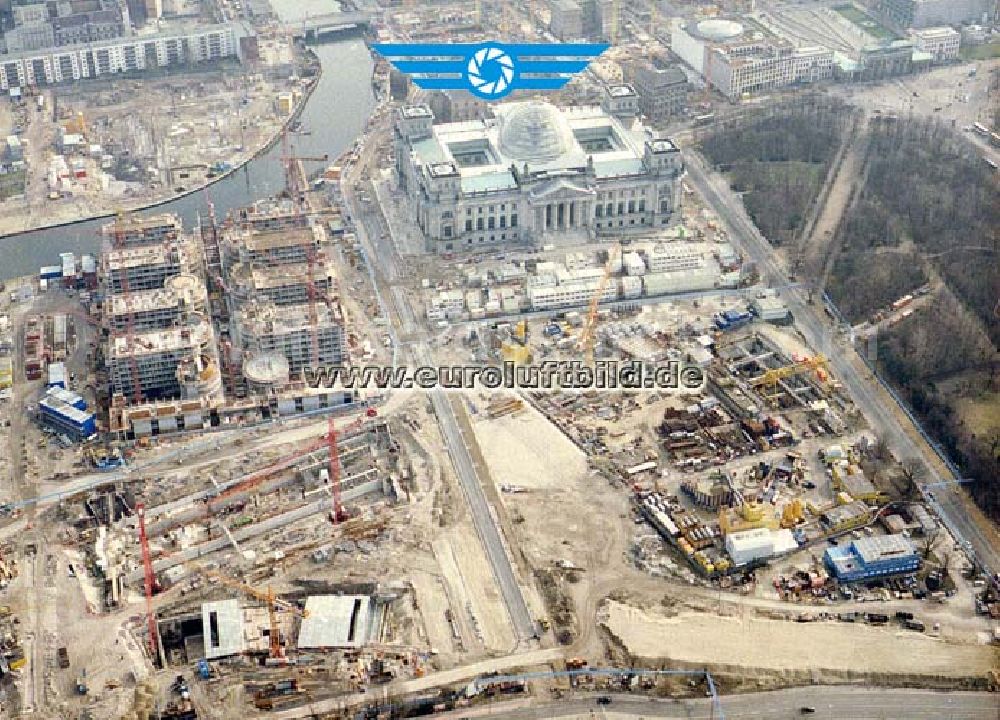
[534,172]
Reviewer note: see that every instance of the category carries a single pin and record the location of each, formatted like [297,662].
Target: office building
[662,89]
[941,42]
[871,558]
[738,60]
[904,14]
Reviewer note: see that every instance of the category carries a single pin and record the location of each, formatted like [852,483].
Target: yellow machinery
[770,378]
[513,352]
[793,514]
[586,342]
[521,332]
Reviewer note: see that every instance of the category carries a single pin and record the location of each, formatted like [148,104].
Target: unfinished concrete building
[263,328]
[157,309]
[176,363]
[283,296]
[144,267]
[154,230]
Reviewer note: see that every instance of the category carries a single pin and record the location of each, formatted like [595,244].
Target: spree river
[335,114]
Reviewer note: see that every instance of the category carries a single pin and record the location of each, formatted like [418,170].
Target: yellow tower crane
[586,341]
[267,597]
[770,378]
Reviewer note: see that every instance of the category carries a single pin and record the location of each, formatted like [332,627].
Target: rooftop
[257,241]
[158,341]
[336,621]
[539,135]
[882,547]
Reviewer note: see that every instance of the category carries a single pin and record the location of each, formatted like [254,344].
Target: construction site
[249,543]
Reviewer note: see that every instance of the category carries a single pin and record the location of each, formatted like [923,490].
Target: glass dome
[533,132]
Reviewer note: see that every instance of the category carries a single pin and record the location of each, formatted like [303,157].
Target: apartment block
[100,58]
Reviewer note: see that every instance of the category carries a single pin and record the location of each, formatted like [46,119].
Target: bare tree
[913,473]
[928,541]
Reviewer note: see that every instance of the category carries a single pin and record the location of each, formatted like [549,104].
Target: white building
[758,544]
[200,43]
[941,42]
[533,171]
[668,257]
[735,74]
[736,60]
[633,264]
[564,288]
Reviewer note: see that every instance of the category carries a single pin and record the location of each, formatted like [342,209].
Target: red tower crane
[149,581]
[338,514]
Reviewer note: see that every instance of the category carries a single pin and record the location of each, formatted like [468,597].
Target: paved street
[482,517]
[370,229]
[831,703]
[877,405]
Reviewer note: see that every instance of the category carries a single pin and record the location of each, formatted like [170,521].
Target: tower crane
[337,514]
[272,601]
[256,478]
[771,377]
[586,341]
[149,581]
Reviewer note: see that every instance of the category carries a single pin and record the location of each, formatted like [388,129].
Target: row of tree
[778,158]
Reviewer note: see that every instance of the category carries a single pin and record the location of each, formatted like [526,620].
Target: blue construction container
[872,557]
[64,412]
[67,397]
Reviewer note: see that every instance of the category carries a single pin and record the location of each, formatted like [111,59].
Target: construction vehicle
[81,683]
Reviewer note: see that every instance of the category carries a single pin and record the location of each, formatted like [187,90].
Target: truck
[732,319]
[877,618]
[904,615]
[914,625]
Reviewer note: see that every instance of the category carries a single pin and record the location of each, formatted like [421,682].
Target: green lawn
[864,21]
[12,184]
[981,52]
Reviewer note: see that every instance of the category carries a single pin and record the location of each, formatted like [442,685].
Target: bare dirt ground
[754,642]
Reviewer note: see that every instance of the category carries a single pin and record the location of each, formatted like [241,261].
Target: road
[831,703]
[885,417]
[370,227]
[482,517]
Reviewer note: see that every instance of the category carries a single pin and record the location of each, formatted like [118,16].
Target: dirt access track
[748,643]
